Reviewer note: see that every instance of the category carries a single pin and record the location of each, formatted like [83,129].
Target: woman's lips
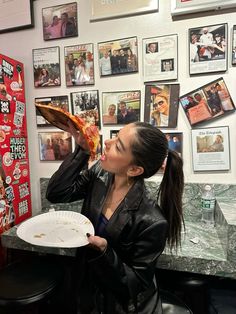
[103,157]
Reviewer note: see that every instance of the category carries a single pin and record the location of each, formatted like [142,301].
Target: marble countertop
[207,256]
[210,251]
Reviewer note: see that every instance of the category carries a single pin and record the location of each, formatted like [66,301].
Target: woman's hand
[97,243]
[78,136]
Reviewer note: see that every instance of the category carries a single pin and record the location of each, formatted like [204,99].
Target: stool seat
[171,304]
[23,283]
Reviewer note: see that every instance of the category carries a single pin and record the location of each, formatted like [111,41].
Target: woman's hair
[150,149]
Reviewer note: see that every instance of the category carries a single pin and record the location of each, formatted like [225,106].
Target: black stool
[26,283]
[171,304]
[195,293]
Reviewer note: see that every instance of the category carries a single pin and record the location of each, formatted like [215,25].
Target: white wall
[18,45]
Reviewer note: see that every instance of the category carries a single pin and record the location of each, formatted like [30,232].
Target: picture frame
[119,56]
[234,45]
[86,105]
[181,7]
[54,146]
[160,58]
[210,149]
[207,102]
[60,21]
[161,104]
[46,65]
[57,101]
[16,15]
[103,10]
[127,107]
[208,49]
[113,133]
[175,142]
[79,65]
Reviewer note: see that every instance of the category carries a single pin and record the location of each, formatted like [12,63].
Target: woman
[131,61]
[116,273]
[110,117]
[160,113]
[44,78]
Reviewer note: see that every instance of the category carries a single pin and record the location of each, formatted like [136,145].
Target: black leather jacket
[124,275]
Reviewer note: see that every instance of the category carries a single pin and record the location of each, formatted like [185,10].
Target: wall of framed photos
[182,72]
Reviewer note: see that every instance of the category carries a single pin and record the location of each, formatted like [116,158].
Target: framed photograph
[86,105]
[46,63]
[54,146]
[208,49]
[207,102]
[60,21]
[118,56]
[79,65]
[16,15]
[180,7]
[101,10]
[113,133]
[161,104]
[57,101]
[234,45]
[210,148]
[175,142]
[121,107]
[160,58]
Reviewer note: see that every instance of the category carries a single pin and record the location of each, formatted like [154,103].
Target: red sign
[15,201]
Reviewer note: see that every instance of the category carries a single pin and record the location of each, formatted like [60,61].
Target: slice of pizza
[59,118]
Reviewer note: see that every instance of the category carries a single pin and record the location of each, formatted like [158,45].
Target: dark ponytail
[150,149]
[170,197]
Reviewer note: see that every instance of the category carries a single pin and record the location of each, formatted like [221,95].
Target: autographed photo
[161,105]
[86,105]
[79,65]
[207,102]
[210,147]
[208,49]
[118,56]
[160,58]
[57,101]
[46,63]
[121,107]
[60,21]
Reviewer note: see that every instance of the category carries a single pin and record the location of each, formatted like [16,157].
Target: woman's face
[117,156]
[162,105]
[111,110]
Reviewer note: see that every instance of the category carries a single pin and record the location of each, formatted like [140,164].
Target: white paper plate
[56,229]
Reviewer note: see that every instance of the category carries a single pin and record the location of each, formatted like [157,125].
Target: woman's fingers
[97,242]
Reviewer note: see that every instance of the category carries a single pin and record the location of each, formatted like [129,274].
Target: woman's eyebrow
[122,144]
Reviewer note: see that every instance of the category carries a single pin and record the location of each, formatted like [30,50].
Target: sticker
[7,160]
[17,171]
[2,136]
[8,180]
[15,86]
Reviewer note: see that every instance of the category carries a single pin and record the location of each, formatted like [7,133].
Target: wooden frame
[60,21]
[118,57]
[54,146]
[46,64]
[207,102]
[181,7]
[208,49]
[79,65]
[57,101]
[16,15]
[103,10]
[160,58]
[210,148]
[161,104]
[127,106]
[86,105]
